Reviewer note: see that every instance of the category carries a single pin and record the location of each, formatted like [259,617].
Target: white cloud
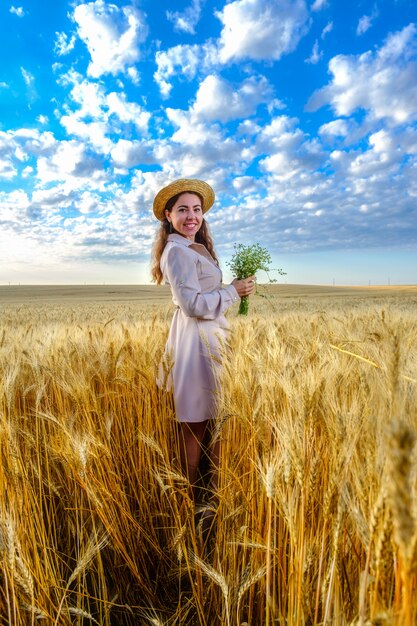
[289,153]
[280,133]
[29,80]
[7,169]
[63,45]
[130,153]
[11,205]
[127,112]
[383,83]
[364,24]
[34,141]
[112,35]
[318,5]
[315,55]
[17,11]
[42,119]
[200,149]
[200,144]
[327,29]
[88,202]
[353,184]
[376,173]
[375,162]
[133,74]
[69,162]
[27,172]
[184,60]
[89,95]
[336,128]
[19,147]
[245,184]
[219,100]
[100,115]
[252,29]
[95,133]
[186,21]
[27,77]
[260,29]
[408,140]
[381,142]
[281,165]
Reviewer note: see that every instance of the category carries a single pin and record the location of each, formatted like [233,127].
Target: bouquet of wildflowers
[246,261]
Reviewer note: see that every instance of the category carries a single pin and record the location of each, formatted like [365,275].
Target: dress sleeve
[180,270]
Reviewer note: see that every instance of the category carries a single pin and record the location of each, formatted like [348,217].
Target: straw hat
[181,186]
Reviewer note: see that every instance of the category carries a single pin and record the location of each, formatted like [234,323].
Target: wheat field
[317,517]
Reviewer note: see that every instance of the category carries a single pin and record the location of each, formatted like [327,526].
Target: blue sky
[302,116]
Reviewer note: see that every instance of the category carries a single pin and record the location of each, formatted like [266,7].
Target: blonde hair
[202,236]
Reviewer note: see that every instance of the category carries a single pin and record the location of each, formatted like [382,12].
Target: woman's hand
[244,286]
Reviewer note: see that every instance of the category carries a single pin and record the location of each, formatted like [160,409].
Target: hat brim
[183,185]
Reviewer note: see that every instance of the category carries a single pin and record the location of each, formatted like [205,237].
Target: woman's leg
[212,453]
[191,440]
[212,449]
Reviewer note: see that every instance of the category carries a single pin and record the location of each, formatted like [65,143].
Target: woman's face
[186,216]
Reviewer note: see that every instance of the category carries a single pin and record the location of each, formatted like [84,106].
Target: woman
[184,257]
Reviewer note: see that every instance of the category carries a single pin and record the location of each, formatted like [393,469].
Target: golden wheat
[316,522]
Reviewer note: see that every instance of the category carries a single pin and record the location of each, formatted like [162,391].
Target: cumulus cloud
[112,35]
[133,74]
[202,144]
[201,149]
[19,147]
[335,128]
[94,133]
[354,183]
[188,19]
[185,60]
[252,29]
[131,153]
[288,150]
[98,114]
[260,29]
[383,83]
[7,169]
[380,157]
[127,112]
[219,100]
[69,160]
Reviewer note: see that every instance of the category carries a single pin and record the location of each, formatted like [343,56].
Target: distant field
[150,294]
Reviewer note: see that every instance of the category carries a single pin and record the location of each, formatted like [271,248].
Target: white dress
[192,354]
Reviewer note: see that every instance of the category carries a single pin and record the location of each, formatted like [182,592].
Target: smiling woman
[184,257]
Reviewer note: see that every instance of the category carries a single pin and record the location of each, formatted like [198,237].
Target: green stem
[244,305]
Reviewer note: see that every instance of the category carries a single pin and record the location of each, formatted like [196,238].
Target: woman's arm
[181,272]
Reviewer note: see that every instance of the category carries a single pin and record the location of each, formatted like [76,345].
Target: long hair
[202,236]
